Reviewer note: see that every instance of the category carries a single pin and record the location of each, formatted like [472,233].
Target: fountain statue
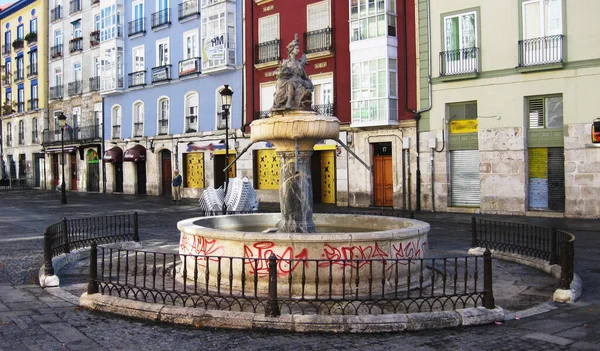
[294,129]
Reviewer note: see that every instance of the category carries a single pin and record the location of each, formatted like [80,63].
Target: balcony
[32,104]
[541,51]
[188,9]
[189,67]
[20,106]
[6,80]
[324,109]
[18,76]
[161,19]
[138,129]
[17,44]
[267,52]
[74,6]
[75,88]
[56,51]
[78,134]
[6,50]
[55,92]
[459,62]
[161,74]
[136,27]
[163,126]
[56,13]
[95,38]
[31,38]
[95,2]
[75,44]
[32,71]
[116,132]
[191,123]
[94,84]
[137,79]
[318,41]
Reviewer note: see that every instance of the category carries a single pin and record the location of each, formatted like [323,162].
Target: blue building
[162,68]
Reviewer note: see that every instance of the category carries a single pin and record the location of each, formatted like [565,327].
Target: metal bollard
[65,235]
[272,308]
[48,268]
[488,292]
[473,232]
[136,234]
[92,281]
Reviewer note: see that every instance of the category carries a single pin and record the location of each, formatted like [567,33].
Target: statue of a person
[294,88]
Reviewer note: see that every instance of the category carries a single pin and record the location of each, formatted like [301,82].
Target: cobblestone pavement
[32,319]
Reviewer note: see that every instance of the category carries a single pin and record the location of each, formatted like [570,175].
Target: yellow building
[24,91]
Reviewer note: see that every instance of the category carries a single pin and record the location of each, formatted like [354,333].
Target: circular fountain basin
[347,251]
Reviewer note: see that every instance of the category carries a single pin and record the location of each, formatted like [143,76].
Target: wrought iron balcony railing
[188,9]
[17,44]
[161,18]
[137,79]
[74,6]
[463,61]
[94,84]
[95,38]
[138,129]
[76,44]
[56,51]
[35,137]
[19,75]
[189,66]
[541,51]
[116,132]
[56,13]
[267,51]
[75,88]
[136,27]
[6,49]
[322,109]
[161,74]
[55,92]
[20,106]
[32,71]
[77,134]
[163,126]
[318,40]
[32,104]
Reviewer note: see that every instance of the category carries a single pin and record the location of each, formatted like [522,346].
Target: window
[34,98]
[34,130]
[163,116]
[21,132]
[111,69]
[110,23]
[371,19]
[138,59]
[317,16]
[33,26]
[58,37]
[372,92]
[545,112]
[162,52]
[97,22]
[220,121]
[76,28]
[218,35]
[33,62]
[20,32]
[138,11]
[268,39]
[8,134]
[542,32]
[460,44]
[323,95]
[138,118]
[58,77]
[7,68]
[8,97]
[7,40]
[190,46]
[191,112]
[116,122]
[21,99]
[267,91]
[20,68]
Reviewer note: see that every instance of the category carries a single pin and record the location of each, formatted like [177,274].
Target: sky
[2,2]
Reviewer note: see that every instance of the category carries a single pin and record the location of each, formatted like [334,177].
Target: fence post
[488,292]
[553,254]
[48,268]
[565,282]
[65,234]
[272,307]
[136,234]
[92,284]
[473,232]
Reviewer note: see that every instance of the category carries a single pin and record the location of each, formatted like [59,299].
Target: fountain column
[295,192]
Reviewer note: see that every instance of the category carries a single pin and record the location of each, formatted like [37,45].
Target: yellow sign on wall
[463,126]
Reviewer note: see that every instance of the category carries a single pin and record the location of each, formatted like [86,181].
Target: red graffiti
[286,262]
[411,249]
[343,255]
[199,245]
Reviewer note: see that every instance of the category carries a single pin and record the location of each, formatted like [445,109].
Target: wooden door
[383,181]
[74,172]
[167,172]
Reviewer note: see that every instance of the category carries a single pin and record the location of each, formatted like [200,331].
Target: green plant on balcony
[31,37]
[8,107]
[17,44]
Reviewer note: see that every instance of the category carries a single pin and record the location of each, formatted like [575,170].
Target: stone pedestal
[295,193]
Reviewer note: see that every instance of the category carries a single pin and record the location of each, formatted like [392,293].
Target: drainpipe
[102,151]
[417,113]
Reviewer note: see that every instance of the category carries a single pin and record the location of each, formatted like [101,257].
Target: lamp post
[62,121]
[226,95]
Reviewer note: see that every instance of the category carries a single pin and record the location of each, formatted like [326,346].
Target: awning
[135,154]
[58,150]
[113,155]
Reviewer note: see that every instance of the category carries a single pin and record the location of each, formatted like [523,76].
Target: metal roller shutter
[465,178]
[556,179]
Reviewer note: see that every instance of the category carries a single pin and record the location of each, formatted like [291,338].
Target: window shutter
[318,16]
[268,29]
[536,113]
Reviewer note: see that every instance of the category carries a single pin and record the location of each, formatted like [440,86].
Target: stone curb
[294,323]
[560,295]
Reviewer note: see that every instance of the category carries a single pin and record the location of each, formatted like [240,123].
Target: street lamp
[226,95]
[62,121]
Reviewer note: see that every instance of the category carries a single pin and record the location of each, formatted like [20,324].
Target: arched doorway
[167,172]
[137,154]
[115,156]
[93,171]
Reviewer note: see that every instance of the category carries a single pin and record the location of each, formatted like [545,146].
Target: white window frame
[76,29]
[315,14]
[77,71]
[219,108]
[268,28]
[58,40]
[138,65]
[163,114]
[266,95]
[544,19]
[165,45]
[188,102]
[58,77]
[134,14]
[116,120]
[137,107]
[458,57]
[195,50]
[320,95]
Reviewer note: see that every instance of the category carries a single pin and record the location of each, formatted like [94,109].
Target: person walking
[176,186]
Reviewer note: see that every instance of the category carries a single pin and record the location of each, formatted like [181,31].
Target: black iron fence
[267,51]
[275,286]
[318,40]
[541,51]
[136,26]
[461,61]
[67,235]
[160,18]
[544,243]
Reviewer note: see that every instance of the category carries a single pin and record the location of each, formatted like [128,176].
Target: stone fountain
[294,129]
